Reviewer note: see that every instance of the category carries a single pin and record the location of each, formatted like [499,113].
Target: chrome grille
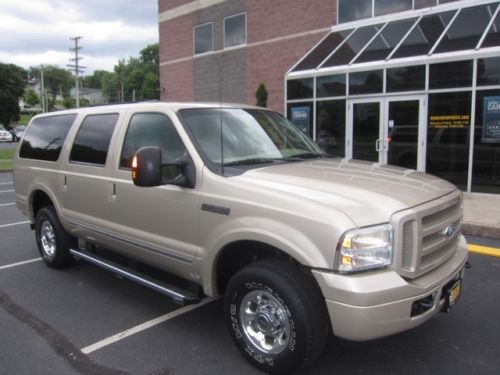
[427,235]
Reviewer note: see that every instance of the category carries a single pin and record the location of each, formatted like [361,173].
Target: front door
[388,131]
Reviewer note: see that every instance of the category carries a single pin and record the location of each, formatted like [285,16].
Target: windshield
[250,136]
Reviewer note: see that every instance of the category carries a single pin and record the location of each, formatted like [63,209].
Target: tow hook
[468,265]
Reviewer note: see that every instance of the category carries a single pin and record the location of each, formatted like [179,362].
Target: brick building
[413,83]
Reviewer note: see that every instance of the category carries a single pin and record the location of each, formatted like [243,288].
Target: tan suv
[235,201]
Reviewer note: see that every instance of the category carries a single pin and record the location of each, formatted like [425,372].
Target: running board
[180,296]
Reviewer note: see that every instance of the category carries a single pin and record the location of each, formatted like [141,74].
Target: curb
[481,230]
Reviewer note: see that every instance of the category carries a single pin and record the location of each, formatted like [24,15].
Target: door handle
[377,145]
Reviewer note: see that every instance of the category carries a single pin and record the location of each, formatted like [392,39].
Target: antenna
[76,67]
[221,63]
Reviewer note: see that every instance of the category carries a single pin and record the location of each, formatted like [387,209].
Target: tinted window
[450,75]
[488,71]
[235,32]
[203,38]
[366,82]
[45,136]
[92,141]
[409,78]
[467,29]
[331,86]
[383,44]
[391,6]
[350,10]
[152,129]
[330,120]
[424,35]
[493,37]
[300,88]
[352,46]
[321,52]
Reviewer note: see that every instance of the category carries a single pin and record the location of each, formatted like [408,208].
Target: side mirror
[147,169]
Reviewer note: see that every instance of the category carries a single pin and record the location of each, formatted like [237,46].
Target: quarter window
[45,137]
[92,141]
[235,30]
[203,40]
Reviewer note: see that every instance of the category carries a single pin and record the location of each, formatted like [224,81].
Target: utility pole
[76,67]
[42,91]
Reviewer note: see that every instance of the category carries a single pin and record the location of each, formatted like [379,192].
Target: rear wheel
[53,241]
[276,316]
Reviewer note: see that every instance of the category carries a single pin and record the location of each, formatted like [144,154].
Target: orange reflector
[134,162]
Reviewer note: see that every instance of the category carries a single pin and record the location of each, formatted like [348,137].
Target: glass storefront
[421,92]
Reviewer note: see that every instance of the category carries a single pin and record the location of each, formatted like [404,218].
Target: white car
[5,136]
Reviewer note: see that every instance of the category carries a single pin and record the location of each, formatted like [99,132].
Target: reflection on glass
[448,128]
[488,71]
[424,35]
[352,46]
[450,74]
[351,10]
[300,88]
[403,133]
[408,78]
[366,82]
[366,121]
[493,37]
[392,6]
[321,52]
[330,86]
[486,163]
[383,44]
[203,38]
[467,29]
[330,134]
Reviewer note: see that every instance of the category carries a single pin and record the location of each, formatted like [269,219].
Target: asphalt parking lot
[84,320]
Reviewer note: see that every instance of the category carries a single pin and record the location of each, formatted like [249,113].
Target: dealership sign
[300,118]
[491,119]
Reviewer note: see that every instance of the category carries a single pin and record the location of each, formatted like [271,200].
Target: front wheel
[276,316]
[52,239]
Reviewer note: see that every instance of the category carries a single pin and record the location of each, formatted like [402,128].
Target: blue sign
[491,119]
[300,118]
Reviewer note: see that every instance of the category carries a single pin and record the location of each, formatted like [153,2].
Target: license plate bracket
[451,293]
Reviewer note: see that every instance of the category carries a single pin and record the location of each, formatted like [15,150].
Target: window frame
[211,35]
[224,31]
[113,135]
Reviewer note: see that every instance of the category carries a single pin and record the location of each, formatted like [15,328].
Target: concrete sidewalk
[482,216]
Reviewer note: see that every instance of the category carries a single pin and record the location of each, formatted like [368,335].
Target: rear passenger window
[45,136]
[92,141]
[152,129]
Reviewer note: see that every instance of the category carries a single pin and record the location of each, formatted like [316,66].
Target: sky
[35,32]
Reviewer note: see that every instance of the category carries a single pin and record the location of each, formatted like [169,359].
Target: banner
[300,118]
[491,119]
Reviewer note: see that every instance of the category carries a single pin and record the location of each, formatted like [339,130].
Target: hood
[366,192]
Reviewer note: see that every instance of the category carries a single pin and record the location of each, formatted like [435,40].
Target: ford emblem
[449,231]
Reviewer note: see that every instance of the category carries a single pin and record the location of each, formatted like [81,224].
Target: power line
[76,67]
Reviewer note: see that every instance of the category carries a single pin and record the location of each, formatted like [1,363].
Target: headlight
[364,249]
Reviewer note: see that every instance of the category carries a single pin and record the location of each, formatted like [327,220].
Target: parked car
[235,201]
[19,131]
[5,135]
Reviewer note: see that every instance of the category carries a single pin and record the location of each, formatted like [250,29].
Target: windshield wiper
[250,161]
[307,155]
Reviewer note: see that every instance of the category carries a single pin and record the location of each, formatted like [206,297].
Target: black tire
[50,234]
[283,285]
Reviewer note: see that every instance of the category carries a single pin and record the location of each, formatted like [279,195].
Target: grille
[428,235]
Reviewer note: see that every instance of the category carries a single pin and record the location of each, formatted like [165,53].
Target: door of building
[388,130]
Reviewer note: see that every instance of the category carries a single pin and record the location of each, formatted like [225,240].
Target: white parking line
[7,204]
[6,183]
[7,191]
[142,327]
[19,263]
[12,224]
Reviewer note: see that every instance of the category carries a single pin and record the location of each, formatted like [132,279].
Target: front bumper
[372,305]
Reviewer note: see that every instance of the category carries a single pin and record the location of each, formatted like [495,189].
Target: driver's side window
[152,129]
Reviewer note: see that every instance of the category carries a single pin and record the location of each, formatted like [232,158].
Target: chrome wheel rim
[48,239]
[265,321]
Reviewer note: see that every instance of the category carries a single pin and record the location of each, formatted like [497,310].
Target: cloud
[37,31]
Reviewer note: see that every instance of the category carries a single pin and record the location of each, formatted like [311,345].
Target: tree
[94,81]
[12,84]
[31,98]
[56,80]
[261,95]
